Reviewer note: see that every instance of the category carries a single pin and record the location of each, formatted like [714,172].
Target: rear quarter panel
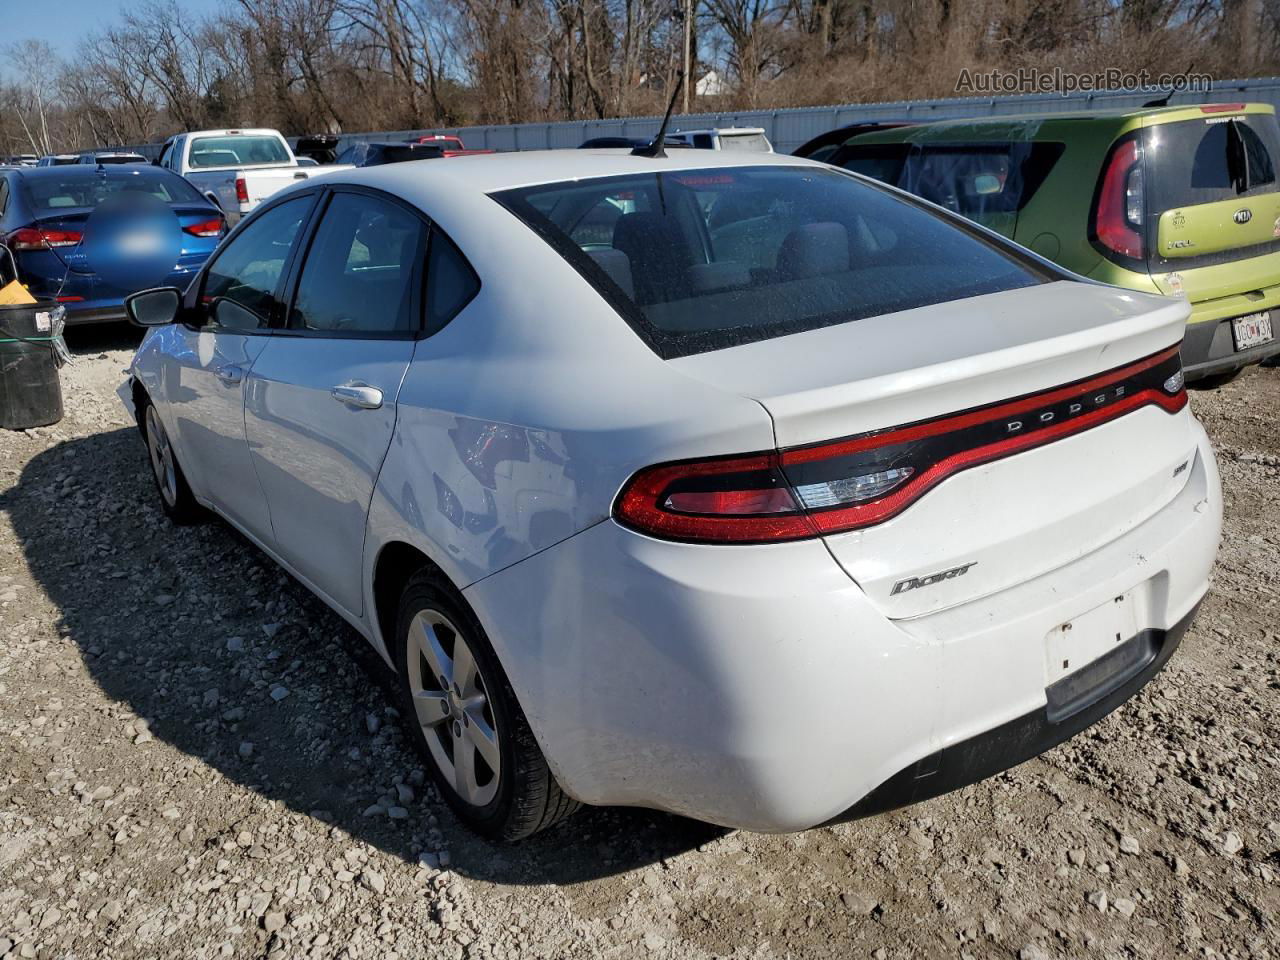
[518,423]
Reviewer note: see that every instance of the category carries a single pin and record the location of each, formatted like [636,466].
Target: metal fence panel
[789,128]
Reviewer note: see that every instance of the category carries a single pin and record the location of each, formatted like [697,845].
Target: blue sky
[63,23]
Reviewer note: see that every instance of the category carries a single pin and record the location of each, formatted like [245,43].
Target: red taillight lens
[206,228]
[861,481]
[725,500]
[1117,219]
[242,190]
[30,238]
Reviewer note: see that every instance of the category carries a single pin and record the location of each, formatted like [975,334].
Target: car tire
[466,721]
[176,498]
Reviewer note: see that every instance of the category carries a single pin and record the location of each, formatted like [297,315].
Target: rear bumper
[758,687]
[1209,347]
[1101,688]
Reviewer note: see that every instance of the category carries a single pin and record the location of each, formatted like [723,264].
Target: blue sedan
[88,236]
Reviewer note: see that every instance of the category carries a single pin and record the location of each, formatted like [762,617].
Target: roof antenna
[1164,101]
[654,149]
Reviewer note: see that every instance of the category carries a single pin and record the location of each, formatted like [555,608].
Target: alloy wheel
[161,453]
[450,696]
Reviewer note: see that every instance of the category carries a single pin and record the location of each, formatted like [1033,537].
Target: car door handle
[230,373]
[361,396]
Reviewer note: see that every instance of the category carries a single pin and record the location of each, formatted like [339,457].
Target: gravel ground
[198,760]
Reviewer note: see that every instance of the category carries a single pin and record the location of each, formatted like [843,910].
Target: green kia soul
[1182,201]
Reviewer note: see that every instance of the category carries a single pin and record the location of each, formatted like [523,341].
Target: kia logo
[1243,215]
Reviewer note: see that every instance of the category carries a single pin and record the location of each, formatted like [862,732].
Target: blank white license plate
[1085,638]
[1253,330]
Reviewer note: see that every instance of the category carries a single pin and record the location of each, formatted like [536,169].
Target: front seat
[814,250]
[658,254]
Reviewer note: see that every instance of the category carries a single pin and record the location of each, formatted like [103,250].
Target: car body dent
[480,492]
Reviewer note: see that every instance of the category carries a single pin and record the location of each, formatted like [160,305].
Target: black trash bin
[30,389]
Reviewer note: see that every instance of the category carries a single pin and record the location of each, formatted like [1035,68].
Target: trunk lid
[988,526]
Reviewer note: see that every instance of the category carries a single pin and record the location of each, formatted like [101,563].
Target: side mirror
[986,183]
[213,198]
[153,308]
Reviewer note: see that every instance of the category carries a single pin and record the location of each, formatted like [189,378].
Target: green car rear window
[1211,159]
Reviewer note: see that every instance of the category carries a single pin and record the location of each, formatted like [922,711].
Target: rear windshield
[1217,158]
[699,260]
[744,142]
[237,150]
[52,194]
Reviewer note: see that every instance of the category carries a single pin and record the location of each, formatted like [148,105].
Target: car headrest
[647,233]
[618,266]
[658,253]
[814,250]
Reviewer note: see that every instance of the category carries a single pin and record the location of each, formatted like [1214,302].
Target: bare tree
[360,65]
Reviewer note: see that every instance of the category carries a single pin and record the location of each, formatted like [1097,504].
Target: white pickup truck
[237,169]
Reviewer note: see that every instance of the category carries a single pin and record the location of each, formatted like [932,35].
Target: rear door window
[705,259]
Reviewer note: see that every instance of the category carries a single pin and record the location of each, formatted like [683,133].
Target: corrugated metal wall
[789,128]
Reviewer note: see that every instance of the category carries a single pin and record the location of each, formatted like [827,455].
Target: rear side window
[451,283]
[879,161]
[973,180]
[360,273]
[698,260]
[1217,158]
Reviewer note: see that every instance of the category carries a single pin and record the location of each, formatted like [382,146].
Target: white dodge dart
[739,487]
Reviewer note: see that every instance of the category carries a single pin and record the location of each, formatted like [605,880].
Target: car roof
[88,170]
[922,127]
[492,172]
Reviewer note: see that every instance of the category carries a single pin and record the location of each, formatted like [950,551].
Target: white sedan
[742,488]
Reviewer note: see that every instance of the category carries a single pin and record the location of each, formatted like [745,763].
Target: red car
[450,146]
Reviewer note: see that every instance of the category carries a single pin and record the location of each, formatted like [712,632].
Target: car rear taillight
[206,228]
[31,238]
[1118,216]
[242,190]
[860,481]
